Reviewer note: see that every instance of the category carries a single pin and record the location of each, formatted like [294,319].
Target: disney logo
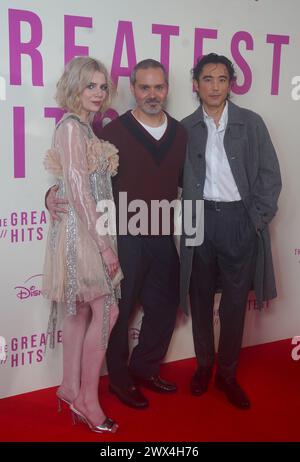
[27,292]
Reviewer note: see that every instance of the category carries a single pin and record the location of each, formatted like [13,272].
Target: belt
[218,205]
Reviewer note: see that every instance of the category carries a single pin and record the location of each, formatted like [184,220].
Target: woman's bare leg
[93,354]
[74,331]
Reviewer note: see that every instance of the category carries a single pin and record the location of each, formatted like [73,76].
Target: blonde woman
[81,266]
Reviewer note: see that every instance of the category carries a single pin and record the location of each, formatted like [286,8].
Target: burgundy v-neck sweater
[149,169]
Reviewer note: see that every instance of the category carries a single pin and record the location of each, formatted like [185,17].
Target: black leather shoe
[130,396]
[233,391]
[155,383]
[200,381]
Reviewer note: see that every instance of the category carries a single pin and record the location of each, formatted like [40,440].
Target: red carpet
[267,372]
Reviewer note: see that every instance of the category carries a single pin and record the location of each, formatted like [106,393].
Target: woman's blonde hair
[77,75]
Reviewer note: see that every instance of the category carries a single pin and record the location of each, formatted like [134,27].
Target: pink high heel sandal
[60,400]
[108,425]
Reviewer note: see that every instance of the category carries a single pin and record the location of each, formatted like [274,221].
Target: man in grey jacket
[231,164]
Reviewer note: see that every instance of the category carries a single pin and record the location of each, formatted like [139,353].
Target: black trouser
[151,277]
[228,252]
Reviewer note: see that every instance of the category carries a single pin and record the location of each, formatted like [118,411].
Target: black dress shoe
[233,391]
[200,381]
[155,383]
[130,396]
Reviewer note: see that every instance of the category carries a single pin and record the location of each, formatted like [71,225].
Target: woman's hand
[111,261]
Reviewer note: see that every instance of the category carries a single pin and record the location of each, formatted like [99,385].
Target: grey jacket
[255,168]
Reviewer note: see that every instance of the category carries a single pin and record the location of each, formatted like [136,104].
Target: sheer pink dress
[73,269]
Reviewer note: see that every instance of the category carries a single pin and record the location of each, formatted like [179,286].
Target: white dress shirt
[219,182]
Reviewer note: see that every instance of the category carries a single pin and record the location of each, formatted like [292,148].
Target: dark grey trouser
[151,277]
[227,255]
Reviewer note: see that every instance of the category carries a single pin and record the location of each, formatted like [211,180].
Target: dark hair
[147,64]
[213,58]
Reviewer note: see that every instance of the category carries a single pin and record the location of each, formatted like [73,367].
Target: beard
[152,106]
